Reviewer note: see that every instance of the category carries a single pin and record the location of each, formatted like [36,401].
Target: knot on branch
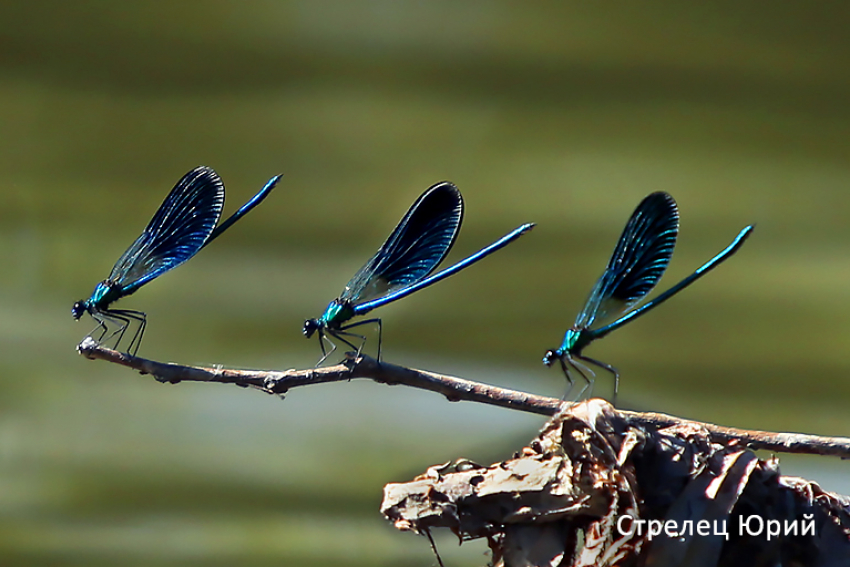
[595,489]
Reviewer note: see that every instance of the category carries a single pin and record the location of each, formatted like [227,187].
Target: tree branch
[454,389]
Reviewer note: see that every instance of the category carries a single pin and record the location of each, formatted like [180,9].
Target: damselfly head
[310,327]
[78,309]
[550,357]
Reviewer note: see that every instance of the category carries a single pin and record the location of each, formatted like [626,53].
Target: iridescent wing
[638,262]
[176,232]
[414,249]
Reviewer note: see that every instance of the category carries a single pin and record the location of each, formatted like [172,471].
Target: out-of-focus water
[566,115]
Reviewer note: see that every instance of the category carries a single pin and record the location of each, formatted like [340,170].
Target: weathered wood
[576,494]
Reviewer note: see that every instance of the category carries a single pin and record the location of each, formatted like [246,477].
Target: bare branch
[279,382]
[454,389]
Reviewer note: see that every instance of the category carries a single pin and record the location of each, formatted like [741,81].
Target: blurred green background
[562,114]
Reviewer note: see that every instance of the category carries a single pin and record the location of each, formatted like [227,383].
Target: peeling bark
[562,500]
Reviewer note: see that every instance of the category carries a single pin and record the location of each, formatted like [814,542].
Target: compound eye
[310,326]
[78,309]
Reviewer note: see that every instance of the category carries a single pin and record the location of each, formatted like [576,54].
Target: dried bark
[557,502]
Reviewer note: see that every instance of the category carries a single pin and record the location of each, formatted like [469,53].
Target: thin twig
[454,389]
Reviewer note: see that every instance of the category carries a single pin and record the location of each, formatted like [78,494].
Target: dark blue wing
[638,262]
[176,232]
[414,249]
[367,306]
